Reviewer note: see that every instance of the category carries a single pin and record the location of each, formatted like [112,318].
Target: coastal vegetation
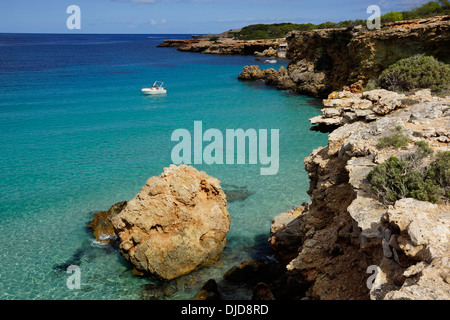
[214,39]
[427,10]
[416,175]
[397,140]
[416,72]
[279,30]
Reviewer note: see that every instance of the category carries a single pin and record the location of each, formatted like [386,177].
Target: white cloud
[153,22]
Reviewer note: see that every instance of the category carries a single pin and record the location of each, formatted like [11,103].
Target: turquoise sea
[77,135]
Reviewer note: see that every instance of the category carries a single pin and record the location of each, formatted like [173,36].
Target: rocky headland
[326,60]
[226,46]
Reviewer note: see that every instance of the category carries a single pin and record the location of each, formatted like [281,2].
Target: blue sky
[179,16]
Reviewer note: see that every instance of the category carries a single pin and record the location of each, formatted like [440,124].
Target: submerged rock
[268,280]
[176,224]
[253,271]
[209,291]
[101,225]
[236,194]
[158,291]
[262,292]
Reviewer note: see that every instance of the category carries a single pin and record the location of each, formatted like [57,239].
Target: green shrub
[440,171]
[396,178]
[416,72]
[391,17]
[388,179]
[429,9]
[423,149]
[265,31]
[279,30]
[397,140]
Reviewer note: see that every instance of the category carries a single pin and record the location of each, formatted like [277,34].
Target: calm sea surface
[77,135]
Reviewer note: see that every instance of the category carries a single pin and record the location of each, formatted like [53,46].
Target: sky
[180,16]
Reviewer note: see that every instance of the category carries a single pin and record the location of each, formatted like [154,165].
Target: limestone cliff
[346,228]
[326,60]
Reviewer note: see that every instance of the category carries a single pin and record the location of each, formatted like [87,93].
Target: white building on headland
[281,52]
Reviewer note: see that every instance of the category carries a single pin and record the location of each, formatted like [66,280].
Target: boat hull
[154,91]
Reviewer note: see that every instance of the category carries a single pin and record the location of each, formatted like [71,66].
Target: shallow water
[78,136]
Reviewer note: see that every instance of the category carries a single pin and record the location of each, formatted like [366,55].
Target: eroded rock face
[346,228]
[176,224]
[271,52]
[424,236]
[270,76]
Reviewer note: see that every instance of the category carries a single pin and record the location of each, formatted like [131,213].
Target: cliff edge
[326,60]
[350,244]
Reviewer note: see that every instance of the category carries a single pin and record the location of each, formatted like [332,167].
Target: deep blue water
[77,135]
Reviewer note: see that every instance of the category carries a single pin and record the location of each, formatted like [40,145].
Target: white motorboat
[156,88]
[270,61]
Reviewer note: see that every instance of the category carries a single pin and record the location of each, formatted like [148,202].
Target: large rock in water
[176,224]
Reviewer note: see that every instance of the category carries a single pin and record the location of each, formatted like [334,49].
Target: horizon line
[112,33]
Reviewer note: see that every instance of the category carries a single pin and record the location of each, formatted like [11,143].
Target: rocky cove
[322,249]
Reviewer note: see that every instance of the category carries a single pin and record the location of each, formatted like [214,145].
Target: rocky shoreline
[346,107]
[326,60]
[225,46]
[325,249]
[347,243]
[346,228]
